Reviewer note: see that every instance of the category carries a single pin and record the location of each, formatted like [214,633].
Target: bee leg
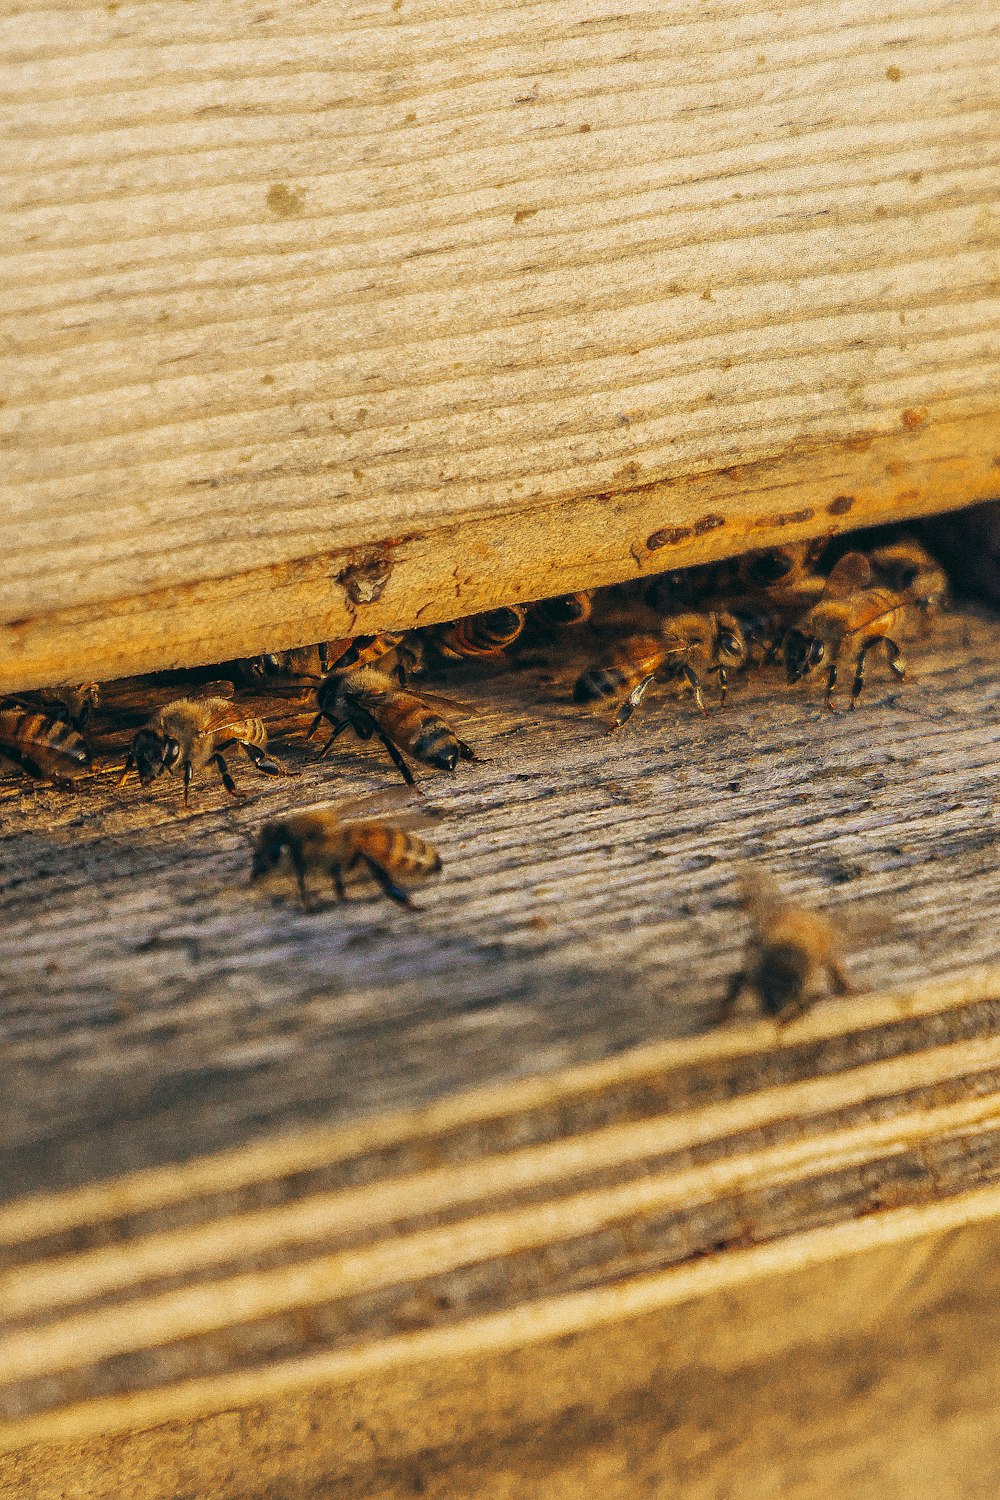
[299,866]
[839,982]
[393,891]
[339,730]
[859,670]
[129,763]
[794,1009]
[737,985]
[315,725]
[831,682]
[265,762]
[227,780]
[397,759]
[628,708]
[187,780]
[694,683]
[894,657]
[723,685]
[338,882]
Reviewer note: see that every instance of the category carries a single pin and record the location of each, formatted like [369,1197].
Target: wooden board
[509,1121]
[869,1374]
[361,314]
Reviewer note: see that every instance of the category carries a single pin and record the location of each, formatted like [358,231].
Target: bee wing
[851,572]
[226,716]
[221,689]
[441,701]
[402,806]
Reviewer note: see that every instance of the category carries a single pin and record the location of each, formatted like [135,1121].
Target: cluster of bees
[693,631]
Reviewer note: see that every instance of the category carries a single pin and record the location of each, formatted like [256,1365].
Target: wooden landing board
[325,1172]
[353,315]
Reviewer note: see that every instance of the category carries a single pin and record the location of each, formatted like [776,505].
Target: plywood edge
[437,572]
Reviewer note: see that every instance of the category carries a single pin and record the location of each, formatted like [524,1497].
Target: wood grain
[360,1173]
[491,295]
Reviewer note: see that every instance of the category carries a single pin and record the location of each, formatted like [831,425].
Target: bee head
[268,849]
[153,754]
[781,976]
[802,653]
[503,622]
[770,567]
[730,643]
[568,609]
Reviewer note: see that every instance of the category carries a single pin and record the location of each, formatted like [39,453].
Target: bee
[566,609]
[371,703]
[304,665]
[780,567]
[74,704]
[365,650]
[41,744]
[324,840]
[852,613]
[791,955]
[750,574]
[488,634]
[196,732]
[909,570]
[689,646]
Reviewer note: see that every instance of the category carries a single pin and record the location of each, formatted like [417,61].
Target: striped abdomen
[42,745]
[395,850]
[415,728]
[621,668]
[245,732]
[567,609]
[365,649]
[483,635]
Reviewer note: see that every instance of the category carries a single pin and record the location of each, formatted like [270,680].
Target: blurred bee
[42,745]
[565,609]
[853,614]
[195,732]
[371,703]
[909,570]
[488,634]
[689,646]
[326,841]
[791,956]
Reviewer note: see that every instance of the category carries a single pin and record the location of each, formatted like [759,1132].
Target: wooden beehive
[387,313]
[323,319]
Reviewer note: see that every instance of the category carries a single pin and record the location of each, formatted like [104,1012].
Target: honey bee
[750,574]
[365,650]
[196,732]
[488,634]
[304,665]
[324,840]
[689,646]
[371,703]
[42,745]
[909,570]
[565,609]
[852,612]
[791,956]
[74,704]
